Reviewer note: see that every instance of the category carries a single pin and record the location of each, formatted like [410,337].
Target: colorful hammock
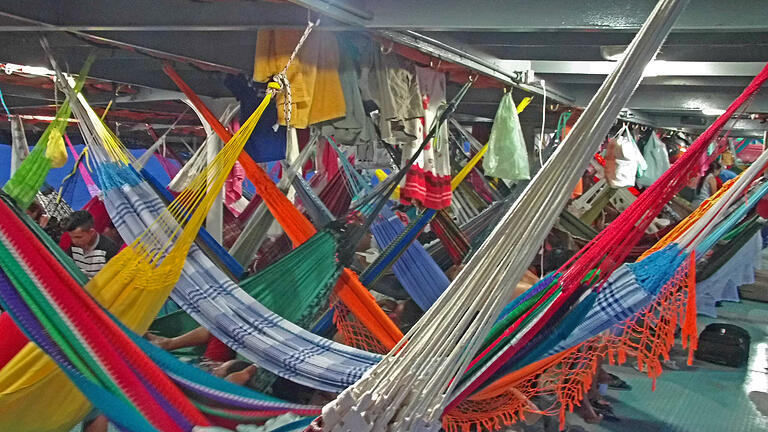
[646,205]
[410,387]
[214,300]
[230,401]
[300,229]
[133,285]
[26,182]
[609,249]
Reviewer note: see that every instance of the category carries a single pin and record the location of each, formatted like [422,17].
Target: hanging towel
[267,142]
[429,178]
[657,158]
[507,157]
[316,94]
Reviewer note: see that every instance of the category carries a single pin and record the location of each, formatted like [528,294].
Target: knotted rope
[282,77]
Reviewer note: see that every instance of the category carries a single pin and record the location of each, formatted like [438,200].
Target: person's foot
[617,383]
[587,413]
[158,341]
[671,365]
[243,376]
[601,404]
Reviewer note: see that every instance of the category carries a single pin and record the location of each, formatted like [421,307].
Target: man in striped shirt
[89,249]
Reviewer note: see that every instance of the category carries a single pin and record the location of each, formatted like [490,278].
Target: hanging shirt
[90,262]
[428,180]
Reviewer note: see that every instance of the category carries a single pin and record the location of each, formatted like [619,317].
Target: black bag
[724,344]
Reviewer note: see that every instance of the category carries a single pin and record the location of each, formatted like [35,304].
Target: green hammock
[30,176]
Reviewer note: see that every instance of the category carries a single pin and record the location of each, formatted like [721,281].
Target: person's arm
[712,185]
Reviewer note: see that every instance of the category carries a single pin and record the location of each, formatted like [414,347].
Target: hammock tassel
[690,337]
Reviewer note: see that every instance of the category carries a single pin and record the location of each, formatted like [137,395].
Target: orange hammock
[299,229]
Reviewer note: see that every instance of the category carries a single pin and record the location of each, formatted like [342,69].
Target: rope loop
[281,78]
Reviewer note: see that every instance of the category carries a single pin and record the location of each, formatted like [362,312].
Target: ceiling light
[11,68]
[42,118]
[712,111]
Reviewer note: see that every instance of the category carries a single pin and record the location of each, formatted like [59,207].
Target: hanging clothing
[390,82]
[356,128]
[316,94]
[268,140]
[507,157]
[429,179]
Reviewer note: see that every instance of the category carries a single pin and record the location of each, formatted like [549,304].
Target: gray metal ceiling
[562,42]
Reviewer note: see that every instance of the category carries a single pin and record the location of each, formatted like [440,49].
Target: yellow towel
[316,94]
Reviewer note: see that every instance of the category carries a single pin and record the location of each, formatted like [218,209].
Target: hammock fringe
[646,337]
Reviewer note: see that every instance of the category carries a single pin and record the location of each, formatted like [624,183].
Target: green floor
[704,396]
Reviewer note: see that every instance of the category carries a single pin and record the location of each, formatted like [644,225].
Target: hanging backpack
[724,344]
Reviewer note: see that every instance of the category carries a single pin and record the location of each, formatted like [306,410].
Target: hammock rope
[647,334]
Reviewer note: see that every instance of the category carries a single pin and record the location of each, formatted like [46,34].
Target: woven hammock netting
[566,377]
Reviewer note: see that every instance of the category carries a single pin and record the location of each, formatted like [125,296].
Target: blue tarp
[75,193]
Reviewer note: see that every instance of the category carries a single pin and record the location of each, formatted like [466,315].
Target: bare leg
[196,337]
[99,424]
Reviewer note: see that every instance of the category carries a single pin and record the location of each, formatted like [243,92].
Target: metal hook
[387,50]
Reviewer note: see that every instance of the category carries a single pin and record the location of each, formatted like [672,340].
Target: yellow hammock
[35,396]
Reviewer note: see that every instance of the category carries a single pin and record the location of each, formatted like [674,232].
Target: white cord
[543,122]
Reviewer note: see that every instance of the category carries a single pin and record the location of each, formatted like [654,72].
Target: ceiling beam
[448,50]
[165,15]
[561,15]
[741,127]
[654,69]
[682,98]
[697,81]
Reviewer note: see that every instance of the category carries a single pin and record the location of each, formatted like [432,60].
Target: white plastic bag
[656,156]
[623,160]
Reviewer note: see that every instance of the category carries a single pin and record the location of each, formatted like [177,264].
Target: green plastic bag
[507,157]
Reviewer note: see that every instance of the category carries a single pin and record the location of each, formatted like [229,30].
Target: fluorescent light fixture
[41,118]
[712,111]
[12,68]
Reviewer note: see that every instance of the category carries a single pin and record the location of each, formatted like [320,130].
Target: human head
[80,229]
[35,210]
[715,168]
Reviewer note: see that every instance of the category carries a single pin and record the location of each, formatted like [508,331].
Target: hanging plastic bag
[623,160]
[507,157]
[655,154]
[56,152]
